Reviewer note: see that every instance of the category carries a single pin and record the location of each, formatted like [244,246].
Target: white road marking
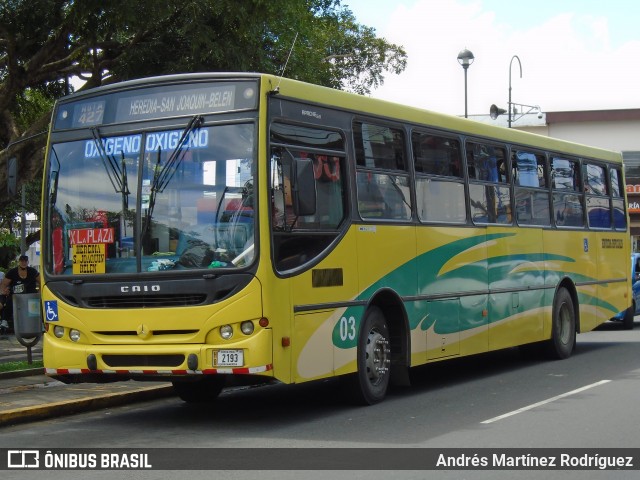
[544,402]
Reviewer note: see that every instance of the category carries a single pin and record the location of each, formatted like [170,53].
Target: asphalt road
[498,400]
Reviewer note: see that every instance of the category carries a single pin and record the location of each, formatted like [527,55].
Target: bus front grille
[121,361]
[133,333]
[146,301]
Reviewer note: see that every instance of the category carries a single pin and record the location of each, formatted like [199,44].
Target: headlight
[247,327]
[226,331]
[74,335]
[58,331]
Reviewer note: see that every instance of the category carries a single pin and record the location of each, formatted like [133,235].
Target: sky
[574,54]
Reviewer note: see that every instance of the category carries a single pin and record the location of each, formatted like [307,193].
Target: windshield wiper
[117,173]
[162,175]
[175,159]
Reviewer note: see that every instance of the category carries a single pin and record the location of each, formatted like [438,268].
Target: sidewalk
[31,395]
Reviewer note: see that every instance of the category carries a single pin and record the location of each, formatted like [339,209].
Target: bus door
[311,249]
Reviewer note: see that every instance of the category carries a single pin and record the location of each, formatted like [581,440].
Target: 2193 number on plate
[228,358]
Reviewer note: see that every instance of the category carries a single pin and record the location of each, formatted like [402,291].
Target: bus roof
[391,110]
[332,98]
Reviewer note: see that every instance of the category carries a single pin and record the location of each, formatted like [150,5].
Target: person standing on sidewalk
[21,279]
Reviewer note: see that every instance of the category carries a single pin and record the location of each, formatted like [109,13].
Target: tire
[627,321]
[199,391]
[563,328]
[369,385]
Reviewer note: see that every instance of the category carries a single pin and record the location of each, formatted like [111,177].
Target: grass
[21,365]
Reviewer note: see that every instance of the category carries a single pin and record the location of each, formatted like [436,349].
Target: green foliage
[328,47]
[30,105]
[43,43]
[20,365]
[9,248]
[7,239]
[11,208]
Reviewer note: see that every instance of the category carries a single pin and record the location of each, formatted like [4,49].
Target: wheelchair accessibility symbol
[51,310]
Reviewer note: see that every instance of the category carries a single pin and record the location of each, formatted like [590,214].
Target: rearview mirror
[303,188]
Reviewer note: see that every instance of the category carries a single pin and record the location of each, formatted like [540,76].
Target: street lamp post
[465,58]
[495,111]
[510,104]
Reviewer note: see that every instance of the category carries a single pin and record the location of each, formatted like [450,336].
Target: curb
[69,407]
[21,373]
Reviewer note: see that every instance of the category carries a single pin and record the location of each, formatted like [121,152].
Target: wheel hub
[378,353]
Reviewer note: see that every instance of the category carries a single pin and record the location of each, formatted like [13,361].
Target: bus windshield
[175,199]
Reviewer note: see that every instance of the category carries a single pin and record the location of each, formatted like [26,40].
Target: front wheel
[563,328]
[369,385]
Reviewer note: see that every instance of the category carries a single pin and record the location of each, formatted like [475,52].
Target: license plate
[228,358]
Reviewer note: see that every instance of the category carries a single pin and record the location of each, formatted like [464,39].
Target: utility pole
[23,226]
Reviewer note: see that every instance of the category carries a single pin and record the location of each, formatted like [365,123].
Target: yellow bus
[212,229]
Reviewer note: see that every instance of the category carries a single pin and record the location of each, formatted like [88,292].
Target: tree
[44,43]
[9,248]
[31,105]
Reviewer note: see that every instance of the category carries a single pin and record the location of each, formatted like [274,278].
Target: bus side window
[379,146]
[438,198]
[597,195]
[489,192]
[381,194]
[482,163]
[370,202]
[617,194]
[567,198]
[532,198]
[594,178]
[435,155]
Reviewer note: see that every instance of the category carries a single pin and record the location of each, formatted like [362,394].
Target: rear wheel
[369,385]
[199,391]
[563,329]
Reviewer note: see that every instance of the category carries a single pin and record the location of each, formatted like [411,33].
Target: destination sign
[89,258]
[88,113]
[156,101]
[130,145]
[81,236]
[208,99]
